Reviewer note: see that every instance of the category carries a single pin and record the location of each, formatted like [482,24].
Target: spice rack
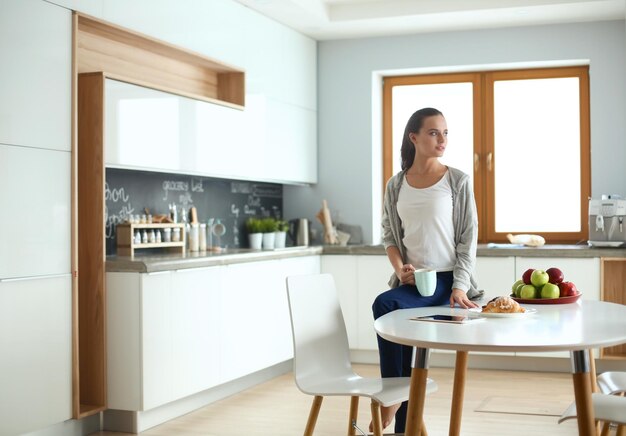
[126,244]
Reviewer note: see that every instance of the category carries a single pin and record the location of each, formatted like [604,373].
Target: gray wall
[349,162]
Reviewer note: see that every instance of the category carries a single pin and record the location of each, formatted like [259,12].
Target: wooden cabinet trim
[130,56]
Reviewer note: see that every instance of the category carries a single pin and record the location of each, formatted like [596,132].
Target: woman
[429,221]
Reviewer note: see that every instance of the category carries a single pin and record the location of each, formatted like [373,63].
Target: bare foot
[386,415]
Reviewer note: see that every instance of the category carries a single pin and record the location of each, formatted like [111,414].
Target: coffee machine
[606,222]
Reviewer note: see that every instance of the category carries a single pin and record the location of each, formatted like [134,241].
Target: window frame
[483,124]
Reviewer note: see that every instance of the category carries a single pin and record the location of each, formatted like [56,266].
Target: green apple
[519,289]
[528,292]
[550,290]
[539,278]
[516,286]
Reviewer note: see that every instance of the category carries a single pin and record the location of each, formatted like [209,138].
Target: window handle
[489,161]
[476,162]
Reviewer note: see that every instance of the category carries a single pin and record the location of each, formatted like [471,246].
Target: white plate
[477,311]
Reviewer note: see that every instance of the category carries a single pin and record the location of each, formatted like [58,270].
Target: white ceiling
[340,19]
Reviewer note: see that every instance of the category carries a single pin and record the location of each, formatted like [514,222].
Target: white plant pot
[279,239]
[268,241]
[255,240]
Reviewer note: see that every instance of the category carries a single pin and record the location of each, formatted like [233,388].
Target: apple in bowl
[567,289]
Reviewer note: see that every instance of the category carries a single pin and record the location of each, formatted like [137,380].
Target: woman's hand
[460,297]
[406,275]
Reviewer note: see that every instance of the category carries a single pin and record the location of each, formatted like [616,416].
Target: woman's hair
[415,123]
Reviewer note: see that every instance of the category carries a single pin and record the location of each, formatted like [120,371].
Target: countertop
[504,250]
[167,262]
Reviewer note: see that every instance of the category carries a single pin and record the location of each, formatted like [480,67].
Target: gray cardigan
[465,222]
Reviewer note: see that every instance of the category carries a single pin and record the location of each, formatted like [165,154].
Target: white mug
[426,281]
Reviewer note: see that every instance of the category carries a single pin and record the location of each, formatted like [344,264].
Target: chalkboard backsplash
[231,201]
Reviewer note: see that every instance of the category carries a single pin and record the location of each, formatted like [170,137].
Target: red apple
[567,289]
[526,275]
[555,275]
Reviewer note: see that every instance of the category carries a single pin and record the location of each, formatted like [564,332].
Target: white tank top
[426,216]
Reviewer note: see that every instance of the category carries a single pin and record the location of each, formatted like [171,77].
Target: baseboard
[136,422]
[71,427]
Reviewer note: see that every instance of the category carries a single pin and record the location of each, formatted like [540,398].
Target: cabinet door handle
[476,162]
[489,161]
[46,276]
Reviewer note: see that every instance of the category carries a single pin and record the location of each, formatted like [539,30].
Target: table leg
[458,393]
[417,392]
[582,393]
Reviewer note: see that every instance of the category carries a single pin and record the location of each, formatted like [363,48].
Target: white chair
[611,409]
[609,405]
[322,364]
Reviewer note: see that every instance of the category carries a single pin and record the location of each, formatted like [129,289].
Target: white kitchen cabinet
[140,359]
[36,362]
[173,334]
[373,274]
[158,131]
[359,280]
[162,335]
[35,199]
[195,329]
[495,275]
[343,268]
[256,331]
[36,53]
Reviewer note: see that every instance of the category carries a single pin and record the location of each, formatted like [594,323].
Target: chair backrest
[320,341]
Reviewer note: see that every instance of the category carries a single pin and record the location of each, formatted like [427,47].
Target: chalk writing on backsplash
[118,214]
[196,185]
[240,187]
[175,186]
[131,192]
[267,191]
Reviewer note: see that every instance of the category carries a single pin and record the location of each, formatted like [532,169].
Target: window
[521,135]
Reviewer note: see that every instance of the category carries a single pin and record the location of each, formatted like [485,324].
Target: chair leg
[313,413]
[606,428]
[377,421]
[621,430]
[354,410]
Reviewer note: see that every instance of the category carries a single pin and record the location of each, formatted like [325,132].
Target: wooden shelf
[613,289]
[126,244]
[132,57]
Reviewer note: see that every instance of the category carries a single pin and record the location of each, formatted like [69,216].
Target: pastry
[503,305]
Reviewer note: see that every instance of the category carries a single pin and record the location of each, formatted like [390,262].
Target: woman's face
[432,138]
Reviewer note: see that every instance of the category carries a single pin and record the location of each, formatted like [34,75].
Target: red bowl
[560,300]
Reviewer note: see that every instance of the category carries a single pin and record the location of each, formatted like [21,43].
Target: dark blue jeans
[395,359]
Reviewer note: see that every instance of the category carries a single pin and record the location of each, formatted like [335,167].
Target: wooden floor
[277,408]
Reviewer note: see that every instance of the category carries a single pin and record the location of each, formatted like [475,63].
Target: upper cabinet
[35,48]
[158,131]
[273,138]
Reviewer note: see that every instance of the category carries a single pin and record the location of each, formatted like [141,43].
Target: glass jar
[167,234]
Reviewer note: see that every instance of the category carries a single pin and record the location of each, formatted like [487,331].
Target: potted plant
[282,227]
[254,227]
[268,227]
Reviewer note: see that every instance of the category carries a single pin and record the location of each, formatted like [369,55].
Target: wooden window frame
[483,124]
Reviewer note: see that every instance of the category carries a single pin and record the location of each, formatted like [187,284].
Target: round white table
[574,327]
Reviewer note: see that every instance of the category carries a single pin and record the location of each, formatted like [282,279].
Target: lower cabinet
[360,278]
[36,362]
[176,333]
